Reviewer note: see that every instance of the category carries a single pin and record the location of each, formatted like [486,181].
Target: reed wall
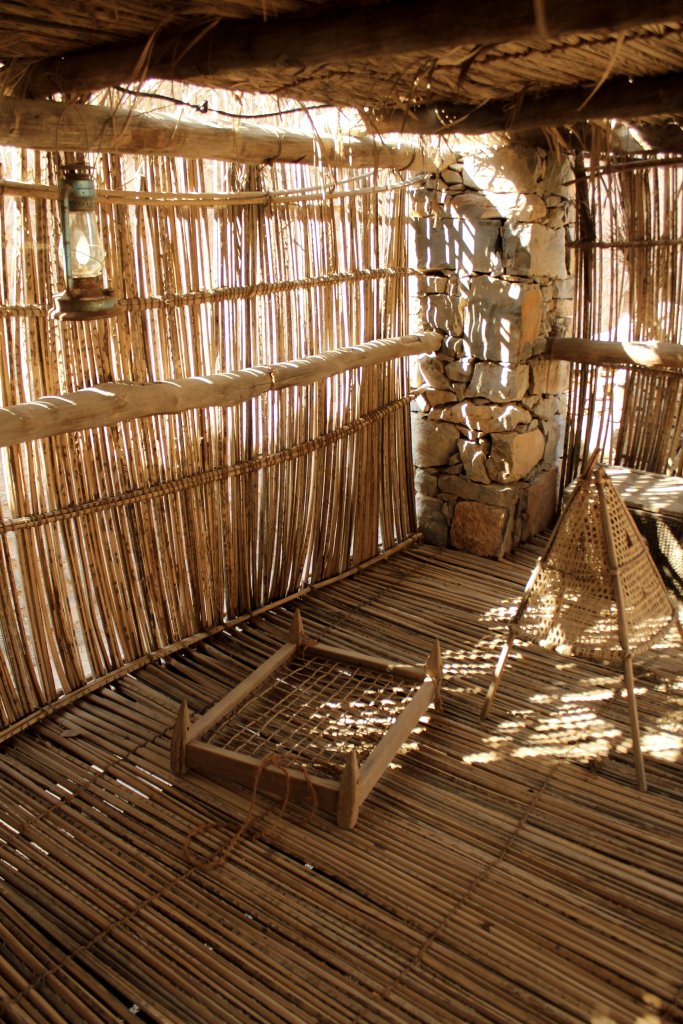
[629,274]
[119,542]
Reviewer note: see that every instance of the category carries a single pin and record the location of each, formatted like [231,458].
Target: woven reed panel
[572,606]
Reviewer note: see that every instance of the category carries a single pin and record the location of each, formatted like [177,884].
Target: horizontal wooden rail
[617,353]
[107,404]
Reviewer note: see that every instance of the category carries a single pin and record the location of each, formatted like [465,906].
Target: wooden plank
[230,766]
[112,403]
[337,35]
[240,693]
[381,757]
[38,124]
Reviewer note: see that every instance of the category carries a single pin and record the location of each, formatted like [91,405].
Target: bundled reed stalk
[121,540]
[629,268]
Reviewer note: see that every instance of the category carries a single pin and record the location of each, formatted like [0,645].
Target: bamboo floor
[504,872]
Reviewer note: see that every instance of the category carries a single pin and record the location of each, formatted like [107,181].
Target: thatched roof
[485,66]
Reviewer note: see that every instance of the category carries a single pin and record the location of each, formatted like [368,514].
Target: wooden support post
[348,804]
[509,643]
[498,674]
[297,634]
[434,671]
[624,639]
[179,740]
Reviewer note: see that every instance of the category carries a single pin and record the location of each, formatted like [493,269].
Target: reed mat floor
[500,872]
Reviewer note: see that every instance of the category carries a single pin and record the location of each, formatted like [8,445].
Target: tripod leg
[497,676]
[635,724]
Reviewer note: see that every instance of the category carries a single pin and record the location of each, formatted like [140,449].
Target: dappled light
[566,708]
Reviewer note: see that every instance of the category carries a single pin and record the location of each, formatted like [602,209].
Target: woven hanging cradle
[595,592]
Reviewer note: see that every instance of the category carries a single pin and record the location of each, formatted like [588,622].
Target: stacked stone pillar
[490,241]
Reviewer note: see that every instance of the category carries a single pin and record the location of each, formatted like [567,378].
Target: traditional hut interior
[341,433]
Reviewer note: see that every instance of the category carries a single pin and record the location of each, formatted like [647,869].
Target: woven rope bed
[313,723]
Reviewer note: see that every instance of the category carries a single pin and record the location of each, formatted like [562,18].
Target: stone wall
[488,425]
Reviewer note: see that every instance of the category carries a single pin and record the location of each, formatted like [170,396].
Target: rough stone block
[557,217]
[432,284]
[478,245]
[554,429]
[451,176]
[558,177]
[423,201]
[545,407]
[499,382]
[475,206]
[508,169]
[549,377]
[434,250]
[433,443]
[473,457]
[444,411]
[541,502]
[513,455]
[529,209]
[480,529]
[502,496]
[431,521]
[487,419]
[441,314]
[558,376]
[426,482]
[533,250]
[564,288]
[502,319]
[432,370]
[460,370]
[453,347]
[436,398]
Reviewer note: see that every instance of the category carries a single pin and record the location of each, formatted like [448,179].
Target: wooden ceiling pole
[330,36]
[618,97]
[42,124]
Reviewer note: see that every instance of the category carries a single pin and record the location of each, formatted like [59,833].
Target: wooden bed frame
[342,798]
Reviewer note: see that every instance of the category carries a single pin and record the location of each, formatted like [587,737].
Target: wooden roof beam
[42,124]
[618,98]
[328,36]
